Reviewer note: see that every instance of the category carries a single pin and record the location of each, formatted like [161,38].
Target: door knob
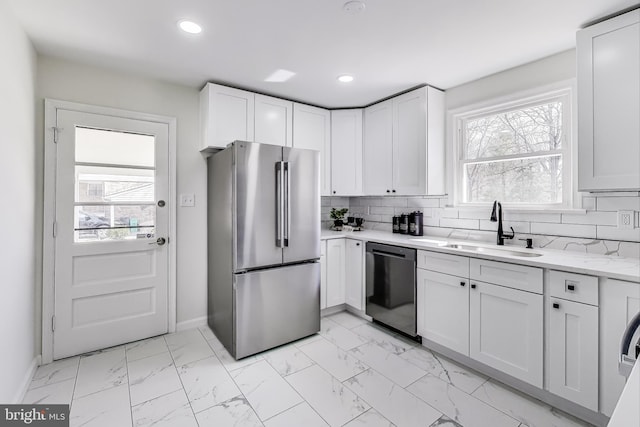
[161,203]
[159,241]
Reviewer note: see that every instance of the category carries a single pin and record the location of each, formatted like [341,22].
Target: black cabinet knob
[556,305]
[334,191]
[473,286]
[357,244]
[571,287]
[388,191]
[462,283]
[393,191]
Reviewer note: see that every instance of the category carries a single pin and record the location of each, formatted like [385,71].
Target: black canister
[404,224]
[396,224]
[415,223]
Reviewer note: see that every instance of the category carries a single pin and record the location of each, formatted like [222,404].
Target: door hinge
[55,228]
[53,323]
[55,133]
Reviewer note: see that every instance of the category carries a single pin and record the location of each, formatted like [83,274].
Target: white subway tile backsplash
[473,213]
[382,210]
[618,203]
[589,203]
[518,227]
[472,224]
[449,213]
[340,202]
[614,233]
[532,216]
[569,230]
[591,217]
[423,203]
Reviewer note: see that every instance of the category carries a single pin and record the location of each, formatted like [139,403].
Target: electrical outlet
[626,220]
[187,200]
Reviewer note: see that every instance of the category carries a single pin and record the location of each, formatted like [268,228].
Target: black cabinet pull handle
[473,286]
[556,305]
[334,191]
[393,191]
[462,283]
[357,244]
[571,287]
[388,191]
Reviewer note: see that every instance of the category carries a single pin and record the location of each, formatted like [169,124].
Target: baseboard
[190,324]
[26,381]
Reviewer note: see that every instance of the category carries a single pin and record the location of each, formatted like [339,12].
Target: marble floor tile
[340,336]
[265,390]
[307,340]
[234,412]
[300,415]
[145,348]
[206,332]
[181,338]
[338,362]
[385,339]
[335,403]
[227,360]
[371,418]
[106,408]
[56,371]
[100,371]
[188,346]
[152,377]
[530,412]
[287,359]
[207,383]
[170,410]
[445,421]
[388,364]
[463,378]
[458,405]
[59,392]
[347,320]
[392,401]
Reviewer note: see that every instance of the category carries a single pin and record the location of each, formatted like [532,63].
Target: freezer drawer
[275,306]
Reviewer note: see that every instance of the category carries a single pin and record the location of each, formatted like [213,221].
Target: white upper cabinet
[608,56]
[312,130]
[346,152]
[226,115]
[404,149]
[273,120]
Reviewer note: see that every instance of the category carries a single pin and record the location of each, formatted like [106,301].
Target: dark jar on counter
[396,224]
[404,224]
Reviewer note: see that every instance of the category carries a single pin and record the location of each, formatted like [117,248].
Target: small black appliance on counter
[415,223]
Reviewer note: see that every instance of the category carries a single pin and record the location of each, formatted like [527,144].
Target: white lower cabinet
[573,351]
[443,309]
[506,330]
[323,275]
[335,284]
[354,274]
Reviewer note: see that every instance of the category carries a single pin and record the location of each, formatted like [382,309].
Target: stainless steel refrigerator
[263,246]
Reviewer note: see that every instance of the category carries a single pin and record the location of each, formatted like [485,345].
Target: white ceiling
[390,47]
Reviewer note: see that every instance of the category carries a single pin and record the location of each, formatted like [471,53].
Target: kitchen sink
[435,242]
[491,250]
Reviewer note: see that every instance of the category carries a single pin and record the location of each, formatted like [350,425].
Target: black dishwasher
[391,286]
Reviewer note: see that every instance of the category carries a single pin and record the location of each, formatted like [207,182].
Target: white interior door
[112,212]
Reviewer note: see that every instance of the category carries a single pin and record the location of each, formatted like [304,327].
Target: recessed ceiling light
[190,27]
[353,7]
[280,76]
[345,78]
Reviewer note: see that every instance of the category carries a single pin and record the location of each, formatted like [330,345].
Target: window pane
[114,185]
[113,222]
[527,130]
[115,148]
[528,181]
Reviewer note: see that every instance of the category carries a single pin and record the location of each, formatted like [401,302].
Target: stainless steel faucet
[496,215]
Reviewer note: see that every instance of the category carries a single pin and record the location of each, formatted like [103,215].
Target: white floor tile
[54,372]
[206,332]
[335,403]
[107,408]
[340,336]
[100,371]
[458,405]
[60,392]
[266,391]
[301,415]
[392,401]
[388,364]
[188,346]
[207,383]
[530,412]
[347,320]
[152,377]
[287,359]
[384,339]
[235,412]
[371,418]
[338,362]
[170,410]
[445,421]
[463,378]
[307,340]
[183,337]
[227,360]
[145,348]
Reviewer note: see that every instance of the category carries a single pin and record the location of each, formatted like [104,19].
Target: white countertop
[597,265]
[627,412]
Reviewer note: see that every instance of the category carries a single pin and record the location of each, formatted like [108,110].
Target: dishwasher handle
[389,254]
[398,252]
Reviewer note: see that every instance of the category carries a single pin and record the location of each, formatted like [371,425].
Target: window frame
[563,91]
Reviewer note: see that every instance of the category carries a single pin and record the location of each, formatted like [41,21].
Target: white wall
[69,81]
[17,216]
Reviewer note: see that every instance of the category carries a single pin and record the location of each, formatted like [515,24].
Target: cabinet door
[323,275]
[377,151]
[226,115]
[273,120]
[346,152]
[506,330]
[573,351]
[354,274]
[443,306]
[410,142]
[336,251]
[608,56]
[312,130]
[619,302]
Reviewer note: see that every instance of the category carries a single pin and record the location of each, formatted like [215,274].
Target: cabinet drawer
[573,287]
[511,275]
[444,263]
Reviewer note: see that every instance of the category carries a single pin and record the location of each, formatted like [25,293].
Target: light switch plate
[187,200]
[626,220]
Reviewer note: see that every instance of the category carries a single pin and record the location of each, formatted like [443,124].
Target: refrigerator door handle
[287,206]
[279,204]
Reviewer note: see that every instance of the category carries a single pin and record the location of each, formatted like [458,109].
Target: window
[518,153]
